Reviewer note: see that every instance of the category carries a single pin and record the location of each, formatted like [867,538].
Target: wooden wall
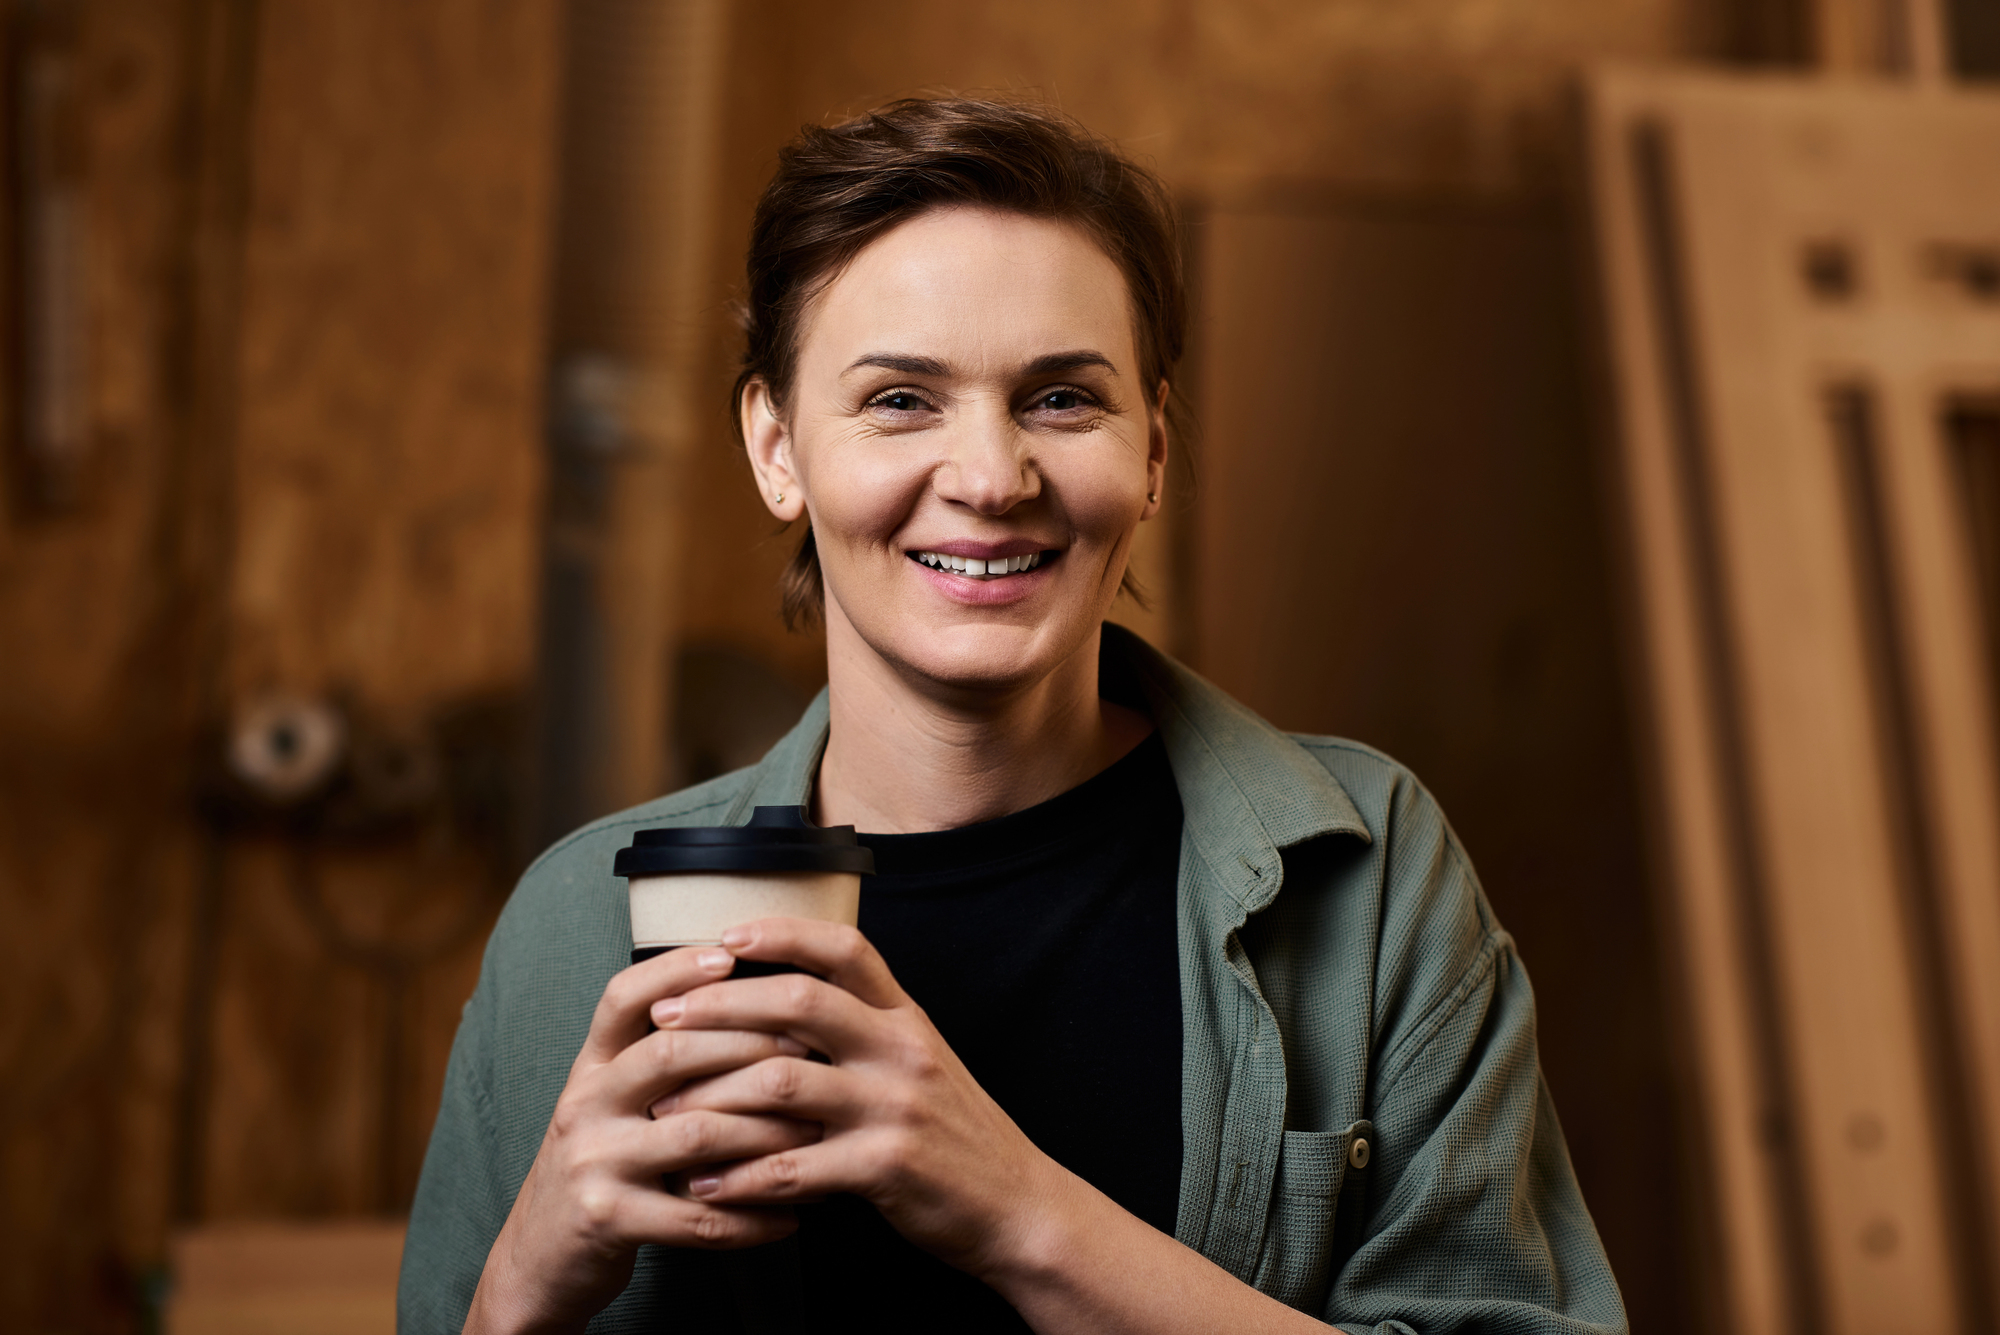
[386,508]
[93,872]
[316,252]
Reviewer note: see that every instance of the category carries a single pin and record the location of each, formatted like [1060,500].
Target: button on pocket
[1360,1144]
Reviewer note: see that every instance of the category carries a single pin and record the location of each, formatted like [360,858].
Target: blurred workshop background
[1600,409]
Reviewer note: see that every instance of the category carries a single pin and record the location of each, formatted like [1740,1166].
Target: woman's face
[969,435]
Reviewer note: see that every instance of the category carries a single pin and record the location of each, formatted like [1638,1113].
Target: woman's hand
[594,1193]
[906,1126]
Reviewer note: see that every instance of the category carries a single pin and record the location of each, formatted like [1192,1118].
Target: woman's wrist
[502,1306]
[496,1315]
[1042,1234]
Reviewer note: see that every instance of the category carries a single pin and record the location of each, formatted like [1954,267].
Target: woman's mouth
[972,567]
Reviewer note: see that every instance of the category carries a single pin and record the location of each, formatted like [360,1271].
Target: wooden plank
[103,626]
[388,500]
[1879,1071]
[390,466]
[1749,1285]
[259,1278]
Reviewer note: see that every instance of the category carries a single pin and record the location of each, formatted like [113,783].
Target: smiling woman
[1156,1019]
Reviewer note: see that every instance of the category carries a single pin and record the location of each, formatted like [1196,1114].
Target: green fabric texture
[1339,962]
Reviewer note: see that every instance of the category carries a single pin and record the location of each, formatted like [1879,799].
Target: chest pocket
[1298,1241]
[1301,1246]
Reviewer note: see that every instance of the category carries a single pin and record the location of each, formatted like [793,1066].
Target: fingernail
[715,961]
[706,1185]
[665,1105]
[735,937]
[666,1012]
[791,1047]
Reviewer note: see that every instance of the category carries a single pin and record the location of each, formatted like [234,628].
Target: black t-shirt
[1043,946]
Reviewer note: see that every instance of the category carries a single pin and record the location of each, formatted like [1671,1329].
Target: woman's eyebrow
[897,361]
[1055,363]
[1050,363]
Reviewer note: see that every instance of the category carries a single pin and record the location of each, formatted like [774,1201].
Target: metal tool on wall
[49,335]
[319,776]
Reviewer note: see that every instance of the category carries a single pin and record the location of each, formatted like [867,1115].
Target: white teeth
[980,569]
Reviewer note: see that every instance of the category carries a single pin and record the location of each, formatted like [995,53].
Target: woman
[1157,1020]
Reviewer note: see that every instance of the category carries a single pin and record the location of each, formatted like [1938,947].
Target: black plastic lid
[776,839]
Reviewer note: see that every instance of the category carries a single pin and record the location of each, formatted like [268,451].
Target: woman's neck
[901,760]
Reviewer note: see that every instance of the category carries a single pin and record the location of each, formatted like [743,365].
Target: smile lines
[996,568]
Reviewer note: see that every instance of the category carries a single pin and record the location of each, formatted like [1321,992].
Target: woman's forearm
[1081,1265]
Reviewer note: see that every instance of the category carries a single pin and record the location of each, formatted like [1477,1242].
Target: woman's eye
[1062,400]
[901,401]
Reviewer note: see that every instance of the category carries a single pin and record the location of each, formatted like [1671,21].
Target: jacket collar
[785,776]
[1247,789]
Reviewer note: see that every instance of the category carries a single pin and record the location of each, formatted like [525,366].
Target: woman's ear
[768,441]
[1156,453]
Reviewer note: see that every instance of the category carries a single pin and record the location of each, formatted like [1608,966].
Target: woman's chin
[963,634]
[993,656]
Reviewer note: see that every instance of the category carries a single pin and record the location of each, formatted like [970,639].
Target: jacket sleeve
[1470,1218]
[461,1199]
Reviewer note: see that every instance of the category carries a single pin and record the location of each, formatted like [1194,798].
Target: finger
[689,1139]
[817,1013]
[621,1019]
[657,1216]
[666,1059]
[804,1174]
[781,1087]
[834,951]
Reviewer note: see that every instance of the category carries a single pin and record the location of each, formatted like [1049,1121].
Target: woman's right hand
[594,1194]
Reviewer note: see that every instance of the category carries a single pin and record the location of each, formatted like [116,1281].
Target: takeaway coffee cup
[688,886]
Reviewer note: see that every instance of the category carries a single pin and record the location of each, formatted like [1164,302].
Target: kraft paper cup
[687,886]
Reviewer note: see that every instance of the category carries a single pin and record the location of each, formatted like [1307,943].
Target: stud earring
[1153,497]
[781,498]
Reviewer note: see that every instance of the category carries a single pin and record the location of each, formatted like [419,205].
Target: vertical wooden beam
[632,320]
[119,596]
[1754,1284]
[1898,38]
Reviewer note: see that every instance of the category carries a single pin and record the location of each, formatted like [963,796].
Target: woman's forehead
[968,286]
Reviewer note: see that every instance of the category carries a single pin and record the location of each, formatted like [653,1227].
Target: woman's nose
[990,469]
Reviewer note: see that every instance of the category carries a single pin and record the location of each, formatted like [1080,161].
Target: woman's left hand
[907,1127]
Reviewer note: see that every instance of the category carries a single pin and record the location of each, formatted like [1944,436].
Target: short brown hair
[837,189]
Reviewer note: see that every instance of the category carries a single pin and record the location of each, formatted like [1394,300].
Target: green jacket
[1339,962]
